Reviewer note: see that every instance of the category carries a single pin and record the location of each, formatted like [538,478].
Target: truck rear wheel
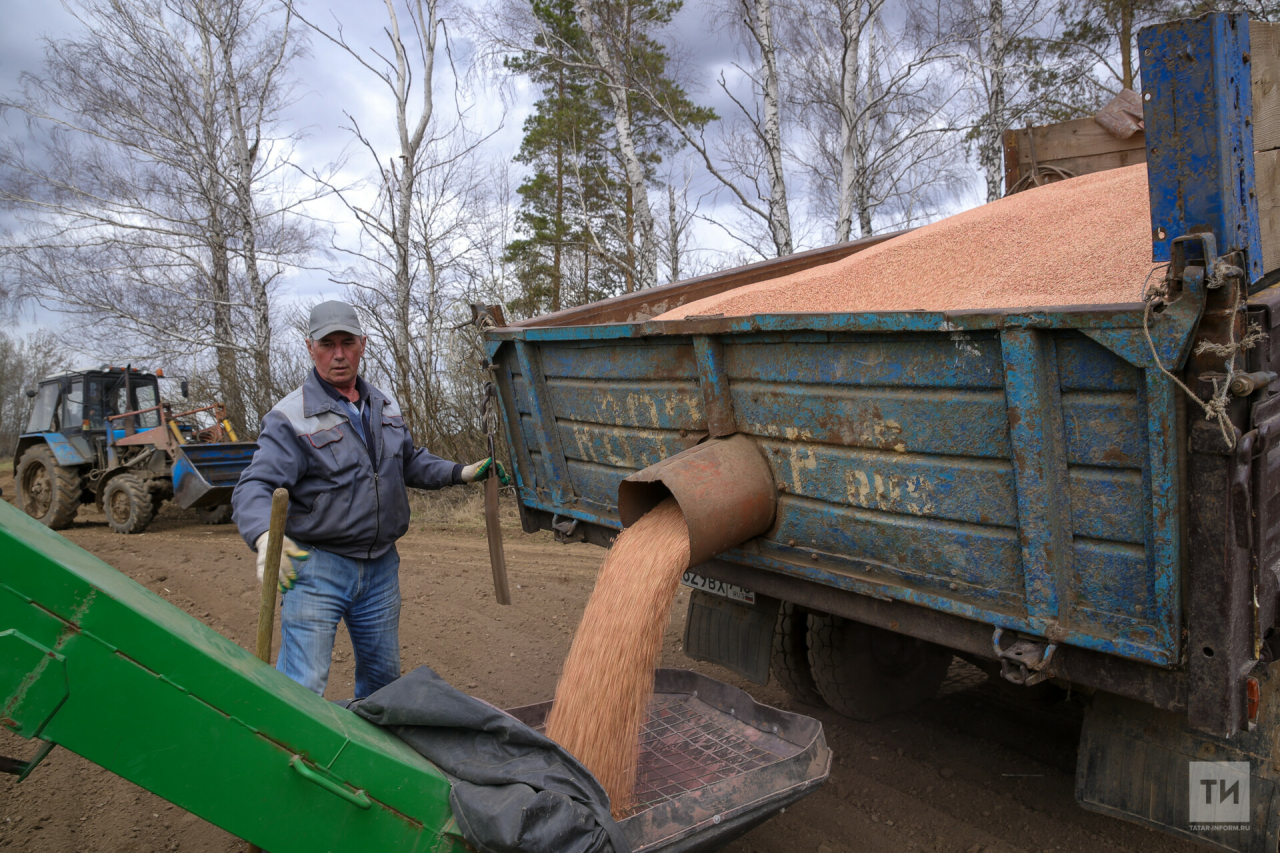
[867,673]
[127,504]
[219,514]
[48,492]
[790,660]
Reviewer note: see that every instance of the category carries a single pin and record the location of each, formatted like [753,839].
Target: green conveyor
[95,663]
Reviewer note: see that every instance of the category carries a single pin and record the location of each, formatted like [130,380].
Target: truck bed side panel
[1004,475]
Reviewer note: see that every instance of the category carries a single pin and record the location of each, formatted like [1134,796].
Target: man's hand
[482,470]
[288,548]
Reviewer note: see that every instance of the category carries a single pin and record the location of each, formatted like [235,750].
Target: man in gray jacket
[340,446]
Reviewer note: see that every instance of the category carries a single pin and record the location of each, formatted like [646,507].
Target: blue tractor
[106,437]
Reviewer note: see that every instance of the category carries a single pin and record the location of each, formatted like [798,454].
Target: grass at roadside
[461,508]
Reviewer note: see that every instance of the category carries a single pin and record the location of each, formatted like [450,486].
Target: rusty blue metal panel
[978,563]
[714,381]
[1197,106]
[980,491]
[632,448]
[598,485]
[1039,464]
[540,404]
[956,422]
[1107,503]
[657,404]
[958,360]
[1108,634]
[510,412]
[670,358]
[1085,365]
[1103,429]
[919,408]
[1162,483]
[1112,577]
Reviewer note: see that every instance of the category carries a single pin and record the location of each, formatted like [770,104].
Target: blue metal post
[1198,114]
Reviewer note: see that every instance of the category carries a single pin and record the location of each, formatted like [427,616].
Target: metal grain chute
[724,487]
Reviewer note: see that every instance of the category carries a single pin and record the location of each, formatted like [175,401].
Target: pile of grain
[604,691]
[1080,241]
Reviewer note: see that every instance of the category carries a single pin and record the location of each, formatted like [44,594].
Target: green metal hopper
[94,662]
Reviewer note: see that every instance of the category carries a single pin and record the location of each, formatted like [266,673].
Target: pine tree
[563,259]
[579,211]
[635,65]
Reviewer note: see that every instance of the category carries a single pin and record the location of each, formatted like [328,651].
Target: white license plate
[728,590]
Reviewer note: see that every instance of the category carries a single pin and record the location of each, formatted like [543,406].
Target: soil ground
[973,771]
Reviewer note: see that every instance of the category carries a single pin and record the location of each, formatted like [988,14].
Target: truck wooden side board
[1026,487]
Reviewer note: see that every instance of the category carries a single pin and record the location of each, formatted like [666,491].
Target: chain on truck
[1118,528]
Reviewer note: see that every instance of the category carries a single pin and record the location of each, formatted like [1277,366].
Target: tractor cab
[82,403]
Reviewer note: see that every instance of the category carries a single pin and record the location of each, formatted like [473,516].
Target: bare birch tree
[387,224]
[126,189]
[254,55]
[871,100]
[746,157]
[1002,54]
[597,22]
[418,220]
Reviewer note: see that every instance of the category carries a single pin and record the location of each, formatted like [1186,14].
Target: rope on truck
[1215,408]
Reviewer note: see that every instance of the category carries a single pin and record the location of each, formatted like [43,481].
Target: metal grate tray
[713,763]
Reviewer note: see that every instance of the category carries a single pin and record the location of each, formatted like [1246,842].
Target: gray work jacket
[339,500]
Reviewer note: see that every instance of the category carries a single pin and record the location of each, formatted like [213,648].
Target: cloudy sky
[329,83]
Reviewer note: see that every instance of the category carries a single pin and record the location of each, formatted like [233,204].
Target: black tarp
[514,790]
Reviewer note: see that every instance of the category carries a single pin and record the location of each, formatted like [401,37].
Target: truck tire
[47,492]
[867,673]
[219,514]
[790,660]
[127,504]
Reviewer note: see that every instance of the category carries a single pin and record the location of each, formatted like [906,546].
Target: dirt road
[972,772]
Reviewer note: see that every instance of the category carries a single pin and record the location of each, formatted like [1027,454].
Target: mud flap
[1135,763]
[734,634]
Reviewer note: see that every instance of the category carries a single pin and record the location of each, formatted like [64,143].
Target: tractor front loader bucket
[205,474]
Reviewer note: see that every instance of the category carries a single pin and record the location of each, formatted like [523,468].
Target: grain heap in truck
[1083,241]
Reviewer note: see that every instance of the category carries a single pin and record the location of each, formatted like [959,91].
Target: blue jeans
[363,593]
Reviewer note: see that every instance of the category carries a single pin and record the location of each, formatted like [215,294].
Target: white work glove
[483,469]
[288,548]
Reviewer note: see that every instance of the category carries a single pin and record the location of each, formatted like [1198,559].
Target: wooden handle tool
[270,583]
[493,530]
[271,574]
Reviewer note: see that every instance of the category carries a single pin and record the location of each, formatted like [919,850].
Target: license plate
[728,590]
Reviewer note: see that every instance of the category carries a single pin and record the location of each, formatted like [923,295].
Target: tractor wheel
[47,491]
[790,661]
[127,504]
[867,673]
[219,514]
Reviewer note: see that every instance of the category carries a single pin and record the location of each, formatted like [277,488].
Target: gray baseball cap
[333,316]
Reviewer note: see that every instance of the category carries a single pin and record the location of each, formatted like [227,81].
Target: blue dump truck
[1028,488]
